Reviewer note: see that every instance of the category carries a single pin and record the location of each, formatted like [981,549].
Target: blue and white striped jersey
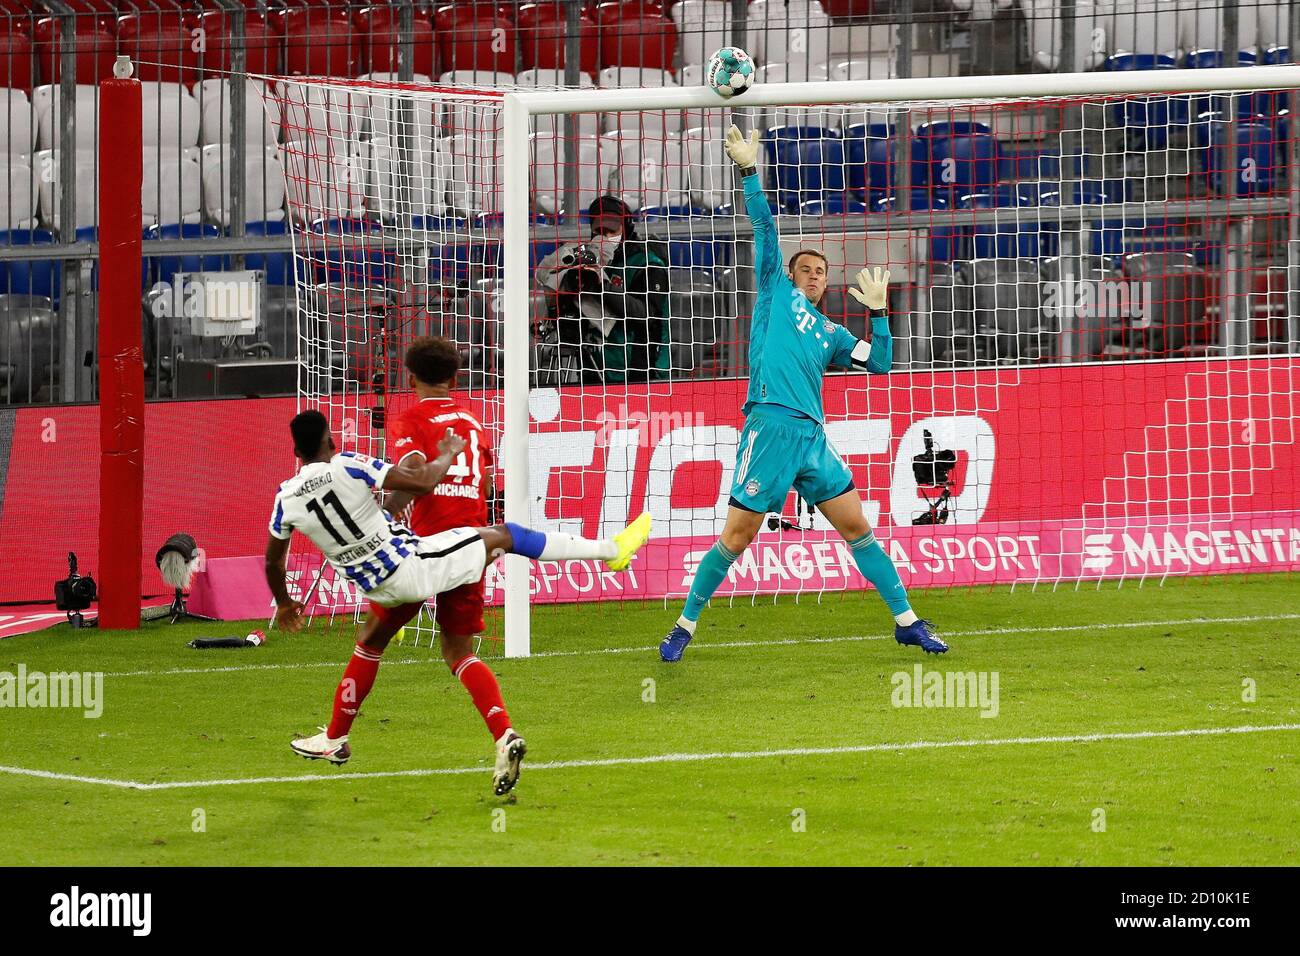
[332,503]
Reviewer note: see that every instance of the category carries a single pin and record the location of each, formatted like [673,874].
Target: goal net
[1093,309]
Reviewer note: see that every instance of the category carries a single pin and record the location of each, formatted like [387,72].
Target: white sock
[689,625]
[568,547]
[906,618]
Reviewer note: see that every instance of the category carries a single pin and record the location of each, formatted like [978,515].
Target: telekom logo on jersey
[648,470]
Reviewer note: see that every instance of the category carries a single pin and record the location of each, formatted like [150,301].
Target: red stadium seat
[16,58]
[378,27]
[848,8]
[95,49]
[262,42]
[631,35]
[542,36]
[161,45]
[475,36]
[319,41]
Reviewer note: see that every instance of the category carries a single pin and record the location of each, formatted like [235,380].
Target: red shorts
[460,610]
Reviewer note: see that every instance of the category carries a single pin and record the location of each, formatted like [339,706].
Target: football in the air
[731,72]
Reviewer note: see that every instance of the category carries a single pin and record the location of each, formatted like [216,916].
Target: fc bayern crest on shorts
[752,487]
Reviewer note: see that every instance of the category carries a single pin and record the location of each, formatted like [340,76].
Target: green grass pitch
[1134,666]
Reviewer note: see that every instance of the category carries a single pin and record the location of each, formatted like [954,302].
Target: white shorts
[441,562]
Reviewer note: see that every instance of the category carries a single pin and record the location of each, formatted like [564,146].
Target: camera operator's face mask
[606,238]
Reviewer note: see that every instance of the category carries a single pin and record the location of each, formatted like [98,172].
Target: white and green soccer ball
[731,72]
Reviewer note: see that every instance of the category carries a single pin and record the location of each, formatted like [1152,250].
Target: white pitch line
[989,632]
[671,758]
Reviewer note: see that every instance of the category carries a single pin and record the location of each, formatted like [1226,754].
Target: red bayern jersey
[460,499]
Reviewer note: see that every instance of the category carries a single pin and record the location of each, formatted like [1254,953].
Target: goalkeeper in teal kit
[783,443]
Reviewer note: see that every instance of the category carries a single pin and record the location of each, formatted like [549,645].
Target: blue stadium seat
[1276,54]
[922,199]
[964,164]
[1254,157]
[833,206]
[1213,59]
[1140,61]
[683,253]
[31,276]
[804,167]
[163,268]
[274,264]
[339,252]
[1247,105]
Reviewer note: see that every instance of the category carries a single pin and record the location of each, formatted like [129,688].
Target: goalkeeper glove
[744,153]
[873,289]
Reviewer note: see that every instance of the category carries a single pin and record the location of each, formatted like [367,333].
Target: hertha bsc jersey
[332,502]
[791,344]
[460,499]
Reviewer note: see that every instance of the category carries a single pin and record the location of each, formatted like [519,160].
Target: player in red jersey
[458,501]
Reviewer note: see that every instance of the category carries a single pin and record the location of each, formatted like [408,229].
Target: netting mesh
[1094,351]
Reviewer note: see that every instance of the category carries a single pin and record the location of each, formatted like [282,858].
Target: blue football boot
[673,646]
[919,634]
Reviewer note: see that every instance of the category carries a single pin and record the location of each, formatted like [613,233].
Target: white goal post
[1093,318]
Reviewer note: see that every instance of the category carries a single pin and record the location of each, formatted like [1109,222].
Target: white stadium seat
[1274,24]
[878,66]
[707,167]
[654,123]
[797,33]
[17,131]
[477,172]
[172,189]
[649,173]
[17,196]
[478,79]
[325,178]
[588,123]
[170,115]
[430,173]
[1091,41]
[1200,25]
[46,166]
[800,72]
[549,162]
[702,27]
[264,186]
[261,113]
[1143,26]
[47,99]
[315,111]
[552,79]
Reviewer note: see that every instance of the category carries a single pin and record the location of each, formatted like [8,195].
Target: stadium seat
[29,348]
[542,31]
[276,265]
[263,42]
[349,250]
[963,164]
[877,66]
[1043,20]
[325,178]
[1177,301]
[18,195]
[264,186]
[478,79]
[1081,337]
[95,46]
[1008,309]
[475,36]
[549,162]
[952,312]
[788,31]
[379,27]
[833,205]
[262,113]
[430,171]
[476,173]
[171,116]
[804,163]
[703,26]
[386,116]
[685,253]
[316,111]
[650,172]
[632,36]
[46,164]
[1143,26]
[172,188]
[15,57]
[1201,27]
[1140,61]
[707,174]
[652,123]
[588,123]
[1248,105]
[869,158]
[17,129]
[319,41]
[161,44]
[41,277]
[1274,31]
[1254,158]
[47,100]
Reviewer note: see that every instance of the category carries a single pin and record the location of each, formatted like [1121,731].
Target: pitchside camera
[75,593]
[933,469]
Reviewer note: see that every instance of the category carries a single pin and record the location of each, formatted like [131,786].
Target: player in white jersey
[332,501]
